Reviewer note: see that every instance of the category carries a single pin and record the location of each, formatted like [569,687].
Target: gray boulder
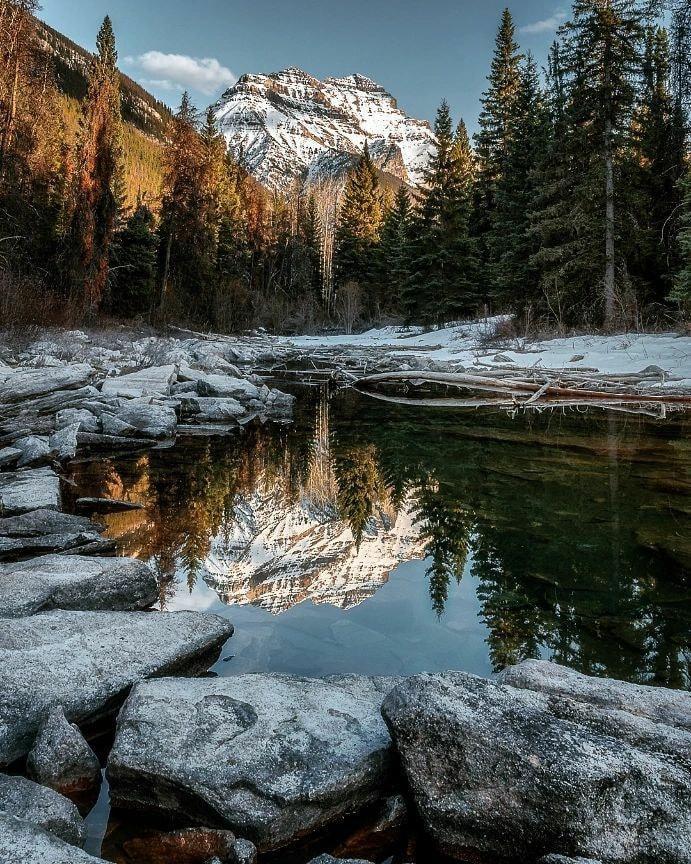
[24,843]
[213,410]
[86,421]
[270,757]
[43,531]
[520,774]
[42,807]
[87,661]
[61,758]
[25,384]
[112,425]
[63,443]
[671,707]
[32,489]
[75,582]
[9,456]
[225,386]
[34,449]
[153,381]
[244,852]
[151,421]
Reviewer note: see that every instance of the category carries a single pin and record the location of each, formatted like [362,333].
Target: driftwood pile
[516,388]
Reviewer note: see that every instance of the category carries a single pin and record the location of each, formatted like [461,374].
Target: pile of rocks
[47,415]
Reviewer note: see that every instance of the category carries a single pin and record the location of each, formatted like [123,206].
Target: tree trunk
[610,268]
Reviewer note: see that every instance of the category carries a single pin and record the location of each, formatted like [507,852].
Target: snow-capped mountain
[289,126]
[279,553]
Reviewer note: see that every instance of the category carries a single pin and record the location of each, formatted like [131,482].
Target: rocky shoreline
[541,765]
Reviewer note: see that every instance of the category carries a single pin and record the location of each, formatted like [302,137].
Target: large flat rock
[271,757]
[87,661]
[75,582]
[24,843]
[43,531]
[153,381]
[26,384]
[42,807]
[32,489]
[513,773]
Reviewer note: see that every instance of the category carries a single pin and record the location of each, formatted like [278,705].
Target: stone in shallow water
[43,531]
[154,381]
[24,843]
[191,846]
[87,661]
[227,387]
[32,489]
[75,582]
[61,758]
[42,807]
[271,757]
[151,421]
[63,443]
[556,775]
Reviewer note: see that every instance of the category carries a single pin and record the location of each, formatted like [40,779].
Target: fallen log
[517,388]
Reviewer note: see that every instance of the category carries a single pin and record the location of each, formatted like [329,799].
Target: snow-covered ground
[470,346]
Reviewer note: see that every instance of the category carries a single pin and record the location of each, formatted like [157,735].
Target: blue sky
[420,51]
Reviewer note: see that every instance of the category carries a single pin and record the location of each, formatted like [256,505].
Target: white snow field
[469,345]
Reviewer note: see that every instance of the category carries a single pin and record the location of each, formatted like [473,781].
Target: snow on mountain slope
[289,126]
[279,553]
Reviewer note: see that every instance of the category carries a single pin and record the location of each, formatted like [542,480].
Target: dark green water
[375,538]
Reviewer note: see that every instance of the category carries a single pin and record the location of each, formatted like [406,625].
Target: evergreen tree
[603,43]
[492,143]
[307,264]
[443,280]
[394,250]
[512,277]
[583,211]
[682,284]
[658,167]
[99,156]
[357,232]
[133,264]
[182,226]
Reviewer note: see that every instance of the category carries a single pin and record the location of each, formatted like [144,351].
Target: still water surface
[382,539]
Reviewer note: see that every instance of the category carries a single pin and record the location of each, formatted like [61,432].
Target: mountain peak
[291,127]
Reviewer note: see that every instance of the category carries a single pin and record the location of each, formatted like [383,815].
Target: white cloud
[179,72]
[547,25]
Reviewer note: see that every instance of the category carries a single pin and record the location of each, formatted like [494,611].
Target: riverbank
[276,764]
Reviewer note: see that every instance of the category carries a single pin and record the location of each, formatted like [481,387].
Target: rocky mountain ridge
[288,127]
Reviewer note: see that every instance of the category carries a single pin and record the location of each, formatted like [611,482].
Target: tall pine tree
[492,142]
[682,284]
[99,160]
[443,281]
[358,229]
[394,252]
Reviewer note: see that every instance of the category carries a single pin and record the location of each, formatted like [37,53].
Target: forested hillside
[571,207]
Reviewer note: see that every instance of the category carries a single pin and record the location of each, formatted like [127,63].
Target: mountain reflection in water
[561,536]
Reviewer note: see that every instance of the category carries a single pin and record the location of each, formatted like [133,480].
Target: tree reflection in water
[574,528]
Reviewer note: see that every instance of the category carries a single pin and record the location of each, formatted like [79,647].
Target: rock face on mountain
[289,126]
